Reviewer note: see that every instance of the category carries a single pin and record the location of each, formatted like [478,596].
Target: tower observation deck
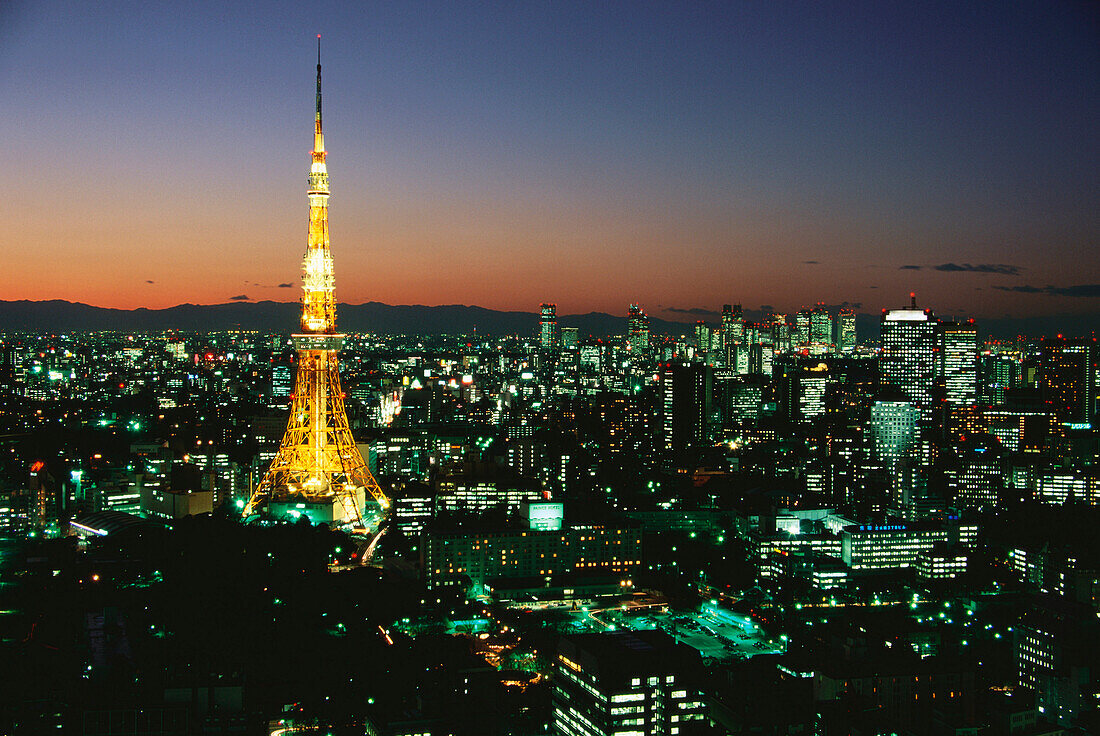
[318,471]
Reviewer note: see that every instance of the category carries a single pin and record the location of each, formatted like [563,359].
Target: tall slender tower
[318,471]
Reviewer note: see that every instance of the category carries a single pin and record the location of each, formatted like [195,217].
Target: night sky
[682,155]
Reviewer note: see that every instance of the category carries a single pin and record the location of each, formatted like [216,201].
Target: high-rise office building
[846,331]
[894,437]
[974,472]
[622,683]
[1066,377]
[733,332]
[637,325]
[685,404]
[569,337]
[702,339]
[958,362]
[821,330]
[282,381]
[997,373]
[908,358]
[549,337]
[801,335]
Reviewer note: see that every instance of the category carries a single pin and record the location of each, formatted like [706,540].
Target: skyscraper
[549,337]
[958,362]
[846,331]
[802,328]
[569,337]
[637,339]
[1066,377]
[702,339]
[998,373]
[908,358]
[733,324]
[821,330]
[318,470]
[685,404]
[894,436]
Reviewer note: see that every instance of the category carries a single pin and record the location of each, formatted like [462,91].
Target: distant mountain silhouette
[282,317]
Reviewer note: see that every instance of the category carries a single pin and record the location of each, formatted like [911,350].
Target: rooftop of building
[623,655]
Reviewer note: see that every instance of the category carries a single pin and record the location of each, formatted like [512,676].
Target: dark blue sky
[680,155]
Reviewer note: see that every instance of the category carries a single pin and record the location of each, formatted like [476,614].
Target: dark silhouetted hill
[266,316]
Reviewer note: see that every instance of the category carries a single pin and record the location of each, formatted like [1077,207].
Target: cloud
[909,268]
[150,282]
[999,268]
[872,287]
[696,311]
[286,285]
[812,263]
[1090,291]
[239,298]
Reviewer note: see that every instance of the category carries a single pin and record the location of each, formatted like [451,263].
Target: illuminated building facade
[1065,377]
[908,359]
[318,470]
[846,331]
[997,373]
[894,438]
[1058,485]
[626,682]
[549,337]
[466,494]
[733,333]
[958,362]
[942,563]
[974,475]
[880,547]
[685,404]
[637,340]
[821,330]
[451,557]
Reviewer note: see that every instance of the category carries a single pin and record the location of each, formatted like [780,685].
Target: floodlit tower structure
[318,470]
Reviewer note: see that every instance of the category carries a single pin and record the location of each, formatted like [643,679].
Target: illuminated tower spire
[318,137]
[318,469]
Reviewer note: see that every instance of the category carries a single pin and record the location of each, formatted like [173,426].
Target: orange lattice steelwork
[318,470]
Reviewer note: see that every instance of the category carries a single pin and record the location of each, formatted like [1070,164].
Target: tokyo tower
[318,471]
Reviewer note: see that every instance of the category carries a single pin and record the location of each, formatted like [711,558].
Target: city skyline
[504,157]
